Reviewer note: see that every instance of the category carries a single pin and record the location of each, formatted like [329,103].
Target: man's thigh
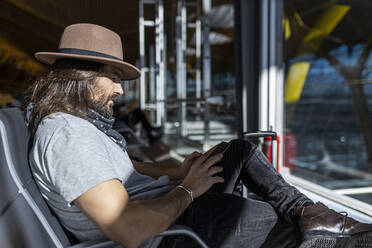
[226,220]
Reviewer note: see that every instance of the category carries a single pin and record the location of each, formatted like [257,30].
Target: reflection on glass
[206,113]
[328,94]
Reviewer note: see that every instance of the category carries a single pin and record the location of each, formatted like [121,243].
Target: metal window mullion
[158,87]
[152,78]
[263,73]
[206,76]
[148,23]
[273,71]
[142,55]
[179,61]
[184,68]
[162,58]
[198,55]
[278,107]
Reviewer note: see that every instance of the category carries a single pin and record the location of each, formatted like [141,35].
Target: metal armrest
[186,231]
[273,137]
[172,231]
[259,134]
[97,244]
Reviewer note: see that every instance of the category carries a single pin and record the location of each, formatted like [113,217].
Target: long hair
[66,87]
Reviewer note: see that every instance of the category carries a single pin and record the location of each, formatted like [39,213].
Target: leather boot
[317,222]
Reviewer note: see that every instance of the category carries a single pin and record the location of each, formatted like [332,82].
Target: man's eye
[112,78]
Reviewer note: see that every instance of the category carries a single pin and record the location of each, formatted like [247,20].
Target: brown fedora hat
[94,43]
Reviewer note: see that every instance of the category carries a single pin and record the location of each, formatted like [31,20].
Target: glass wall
[200,112]
[328,94]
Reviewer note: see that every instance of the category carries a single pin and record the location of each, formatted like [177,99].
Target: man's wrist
[186,190]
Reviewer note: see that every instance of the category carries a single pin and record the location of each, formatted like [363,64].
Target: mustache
[114,97]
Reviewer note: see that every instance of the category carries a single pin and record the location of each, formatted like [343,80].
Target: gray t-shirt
[70,156]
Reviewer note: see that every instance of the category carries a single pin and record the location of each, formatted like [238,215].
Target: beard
[103,104]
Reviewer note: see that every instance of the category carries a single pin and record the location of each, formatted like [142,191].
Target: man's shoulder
[64,120]
[63,124]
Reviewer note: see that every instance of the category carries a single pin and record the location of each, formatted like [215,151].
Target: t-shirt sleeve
[77,160]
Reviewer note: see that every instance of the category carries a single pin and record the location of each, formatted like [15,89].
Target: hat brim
[130,72]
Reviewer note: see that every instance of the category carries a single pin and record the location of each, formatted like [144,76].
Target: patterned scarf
[103,124]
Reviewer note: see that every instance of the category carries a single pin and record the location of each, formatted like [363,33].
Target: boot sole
[324,243]
[360,240]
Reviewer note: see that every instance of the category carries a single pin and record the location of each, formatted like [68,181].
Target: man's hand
[186,164]
[201,173]
[190,159]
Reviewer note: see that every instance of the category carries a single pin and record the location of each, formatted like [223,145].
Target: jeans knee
[267,214]
[243,144]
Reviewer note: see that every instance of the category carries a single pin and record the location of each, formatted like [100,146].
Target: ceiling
[36,25]
[29,26]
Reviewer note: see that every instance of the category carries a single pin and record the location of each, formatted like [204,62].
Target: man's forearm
[147,218]
[156,170]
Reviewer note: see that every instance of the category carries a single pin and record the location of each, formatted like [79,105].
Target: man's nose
[118,89]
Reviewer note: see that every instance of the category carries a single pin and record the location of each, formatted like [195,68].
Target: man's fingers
[193,156]
[207,153]
[198,161]
[212,160]
[217,180]
[214,170]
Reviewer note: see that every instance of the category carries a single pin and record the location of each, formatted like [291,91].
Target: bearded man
[84,172]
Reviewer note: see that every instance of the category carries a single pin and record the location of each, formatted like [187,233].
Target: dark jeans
[225,220]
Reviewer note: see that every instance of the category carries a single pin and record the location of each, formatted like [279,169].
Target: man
[84,172]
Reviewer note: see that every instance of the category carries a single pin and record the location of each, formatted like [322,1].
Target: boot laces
[344,214]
